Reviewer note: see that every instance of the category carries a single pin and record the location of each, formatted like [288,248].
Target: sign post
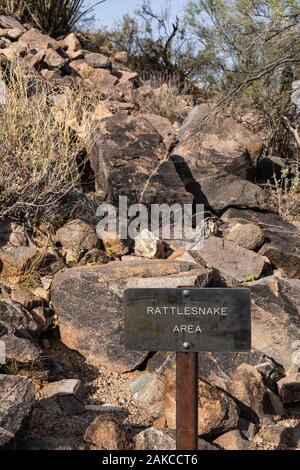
[187,321]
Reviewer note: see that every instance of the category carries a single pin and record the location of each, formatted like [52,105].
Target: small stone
[24,297]
[156,439]
[63,387]
[42,293]
[121,56]
[289,388]
[54,60]
[14,34]
[71,43]
[105,433]
[148,245]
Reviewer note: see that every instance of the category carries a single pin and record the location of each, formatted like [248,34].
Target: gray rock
[148,245]
[95,326]
[17,395]
[282,239]
[14,260]
[54,60]
[76,238]
[148,389]
[236,263]
[96,61]
[156,439]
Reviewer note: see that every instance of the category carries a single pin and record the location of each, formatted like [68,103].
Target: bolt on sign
[187,321]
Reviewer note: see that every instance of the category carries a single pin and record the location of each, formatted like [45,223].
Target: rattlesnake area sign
[194,320]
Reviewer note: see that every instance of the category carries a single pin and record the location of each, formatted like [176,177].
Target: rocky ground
[68,382]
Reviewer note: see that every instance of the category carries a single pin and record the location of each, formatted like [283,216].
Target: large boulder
[282,238]
[17,395]
[234,262]
[128,158]
[89,305]
[216,167]
[34,39]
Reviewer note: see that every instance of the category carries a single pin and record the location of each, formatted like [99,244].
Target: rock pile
[61,292]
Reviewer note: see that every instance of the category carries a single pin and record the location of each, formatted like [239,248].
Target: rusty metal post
[187,401]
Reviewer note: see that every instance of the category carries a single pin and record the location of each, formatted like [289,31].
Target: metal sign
[193,320]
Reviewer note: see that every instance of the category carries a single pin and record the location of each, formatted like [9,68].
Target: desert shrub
[55,17]
[167,97]
[37,152]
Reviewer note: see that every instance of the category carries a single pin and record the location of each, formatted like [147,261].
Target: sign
[188,320]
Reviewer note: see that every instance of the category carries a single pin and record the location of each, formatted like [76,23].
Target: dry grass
[37,150]
[284,195]
[167,98]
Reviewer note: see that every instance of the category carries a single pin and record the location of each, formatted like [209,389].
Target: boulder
[105,434]
[76,238]
[246,235]
[95,326]
[233,440]
[148,245]
[103,81]
[17,395]
[62,388]
[217,168]
[276,319]
[16,259]
[34,39]
[289,388]
[71,44]
[256,401]
[54,60]
[10,22]
[19,331]
[234,262]
[282,239]
[97,61]
[148,389]
[129,159]
[217,411]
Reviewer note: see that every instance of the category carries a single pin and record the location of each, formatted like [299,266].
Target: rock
[95,327]
[148,389]
[148,245]
[248,236]
[225,160]
[121,57]
[103,81]
[64,387]
[129,159]
[18,331]
[281,436]
[81,69]
[14,34]
[71,43]
[75,238]
[234,262]
[101,112]
[15,260]
[217,412]
[97,61]
[10,22]
[104,408]
[256,401]
[17,395]
[54,60]
[12,234]
[106,434]
[275,318]
[289,388]
[34,39]
[156,439]
[282,239]
[163,126]
[24,297]
[233,440]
